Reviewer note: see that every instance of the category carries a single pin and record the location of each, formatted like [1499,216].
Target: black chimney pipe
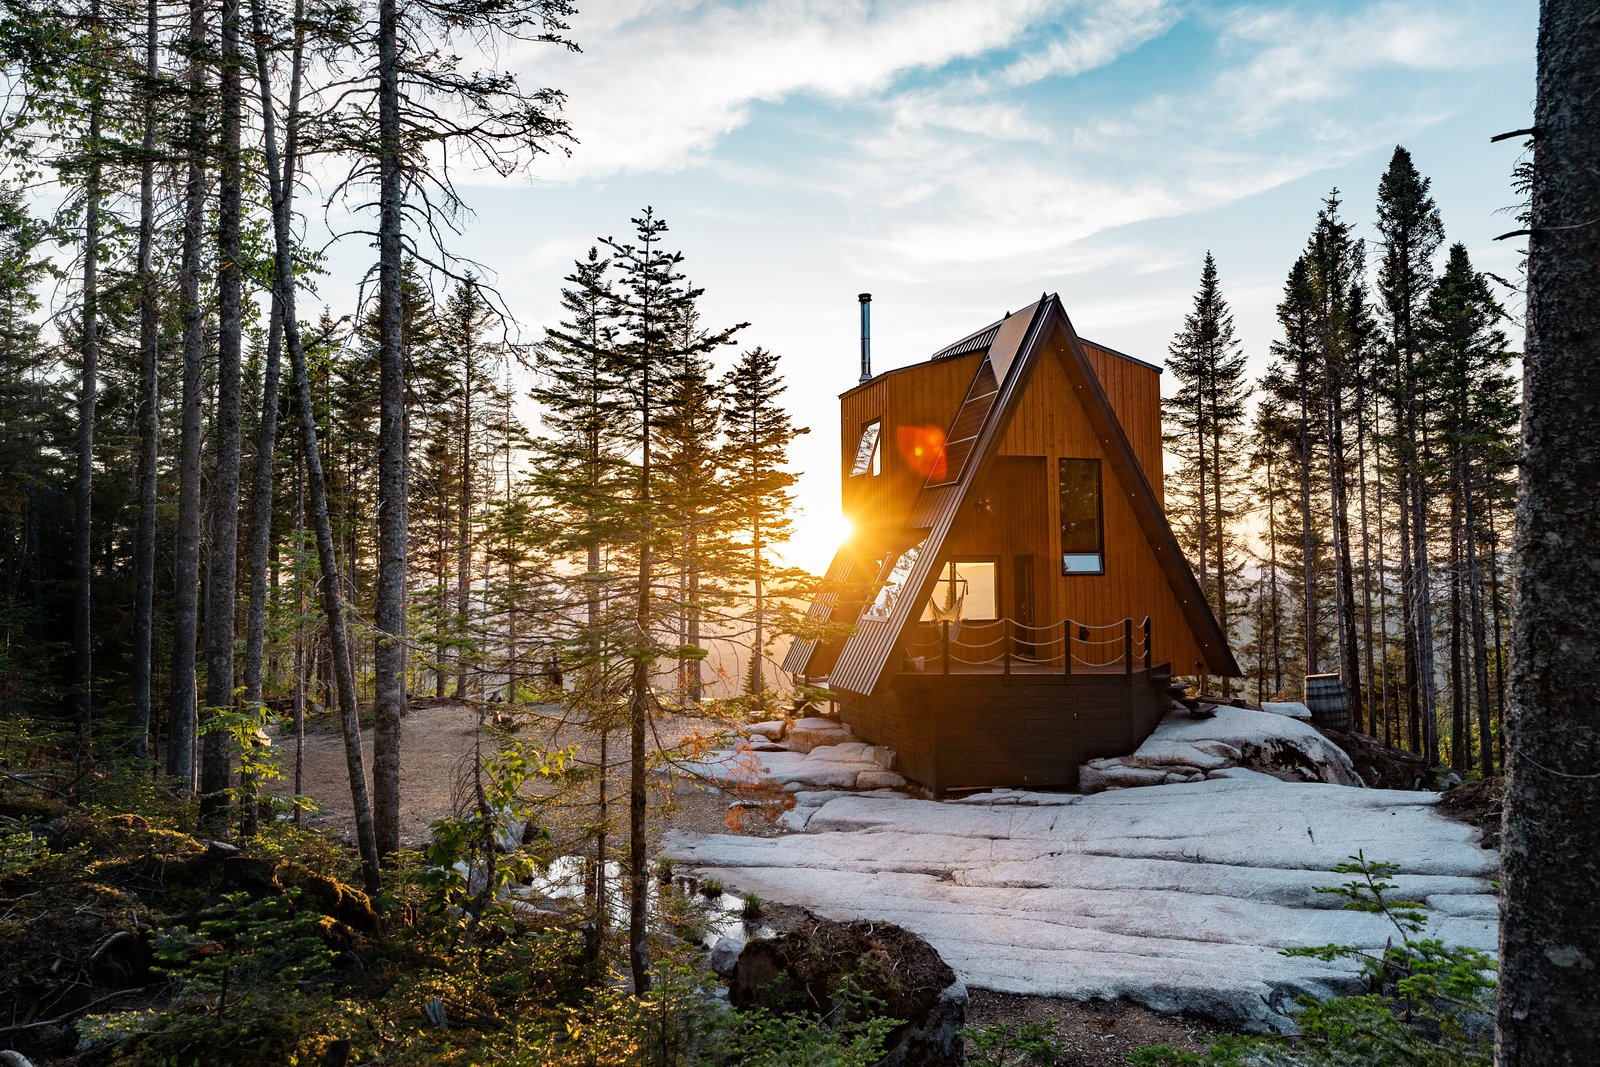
[866,336]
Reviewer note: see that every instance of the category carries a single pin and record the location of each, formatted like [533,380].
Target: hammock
[950,614]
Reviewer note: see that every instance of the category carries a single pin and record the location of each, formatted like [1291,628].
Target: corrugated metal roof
[973,342]
[821,609]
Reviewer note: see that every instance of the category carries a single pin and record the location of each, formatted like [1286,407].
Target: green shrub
[1005,1045]
[1430,1004]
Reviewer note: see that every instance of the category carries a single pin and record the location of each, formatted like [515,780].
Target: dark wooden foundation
[1023,731]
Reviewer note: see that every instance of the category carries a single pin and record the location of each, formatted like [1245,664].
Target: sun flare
[817,536]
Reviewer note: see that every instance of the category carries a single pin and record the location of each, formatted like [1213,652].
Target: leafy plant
[1007,1045]
[1430,1004]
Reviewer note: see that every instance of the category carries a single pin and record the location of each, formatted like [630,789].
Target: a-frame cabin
[1018,601]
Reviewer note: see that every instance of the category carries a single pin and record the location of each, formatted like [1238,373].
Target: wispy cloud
[656,88]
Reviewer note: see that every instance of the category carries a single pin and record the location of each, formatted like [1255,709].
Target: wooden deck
[1006,647]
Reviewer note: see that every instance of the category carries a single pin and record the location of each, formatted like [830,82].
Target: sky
[956,158]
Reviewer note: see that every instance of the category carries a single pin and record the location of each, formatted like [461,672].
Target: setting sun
[817,536]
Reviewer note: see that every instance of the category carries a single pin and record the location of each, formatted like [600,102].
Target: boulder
[843,752]
[807,734]
[772,731]
[879,779]
[1186,749]
[724,956]
[822,968]
[1292,708]
[1102,774]
[1380,766]
[882,755]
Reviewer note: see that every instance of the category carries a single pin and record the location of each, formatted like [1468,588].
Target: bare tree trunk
[1308,545]
[186,562]
[1343,572]
[1277,603]
[222,569]
[389,607]
[1366,560]
[464,528]
[144,552]
[1480,642]
[1497,603]
[261,499]
[88,387]
[298,698]
[283,283]
[1458,711]
[1549,1005]
[1219,542]
[1422,605]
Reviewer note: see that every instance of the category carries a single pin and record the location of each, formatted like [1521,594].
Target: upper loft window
[966,589]
[869,450]
[1083,537]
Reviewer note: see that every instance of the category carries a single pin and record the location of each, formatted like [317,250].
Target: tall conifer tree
[1205,416]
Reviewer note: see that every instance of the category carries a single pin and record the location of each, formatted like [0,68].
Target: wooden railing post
[1005,647]
[944,642]
[1066,643]
[1127,646]
[1147,643]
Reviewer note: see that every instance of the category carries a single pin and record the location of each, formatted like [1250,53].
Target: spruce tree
[1475,400]
[760,488]
[1340,331]
[579,469]
[1409,233]
[1205,416]
[651,300]
[693,502]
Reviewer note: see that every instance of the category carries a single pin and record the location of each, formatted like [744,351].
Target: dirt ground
[437,742]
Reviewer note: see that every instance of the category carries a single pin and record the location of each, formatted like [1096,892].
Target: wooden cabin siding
[925,394]
[1050,422]
[1135,394]
[972,732]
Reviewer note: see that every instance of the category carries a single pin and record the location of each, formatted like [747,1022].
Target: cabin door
[1022,606]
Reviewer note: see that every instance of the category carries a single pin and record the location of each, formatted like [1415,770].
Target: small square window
[869,451]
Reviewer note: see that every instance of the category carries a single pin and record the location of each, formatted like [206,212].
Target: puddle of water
[572,878]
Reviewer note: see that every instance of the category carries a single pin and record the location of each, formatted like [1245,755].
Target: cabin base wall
[954,732]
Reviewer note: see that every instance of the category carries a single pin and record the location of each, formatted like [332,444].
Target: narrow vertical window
[869,451]
[1083,543]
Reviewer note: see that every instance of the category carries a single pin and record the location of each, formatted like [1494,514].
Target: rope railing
[1019,643]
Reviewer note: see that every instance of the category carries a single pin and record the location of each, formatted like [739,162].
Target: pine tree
[1205,416]
[693,501]
[760,488]
[651,301]
[1294,391]
[1340,331]
[1410,232]
[579,469]
[1475,398]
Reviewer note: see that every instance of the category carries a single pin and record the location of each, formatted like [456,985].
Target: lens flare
[922,449]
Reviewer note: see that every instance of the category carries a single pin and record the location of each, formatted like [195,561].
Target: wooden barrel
[1325,697]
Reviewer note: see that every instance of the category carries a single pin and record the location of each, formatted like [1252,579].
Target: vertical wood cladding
[983,731]
[922,395]
[1050,422]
